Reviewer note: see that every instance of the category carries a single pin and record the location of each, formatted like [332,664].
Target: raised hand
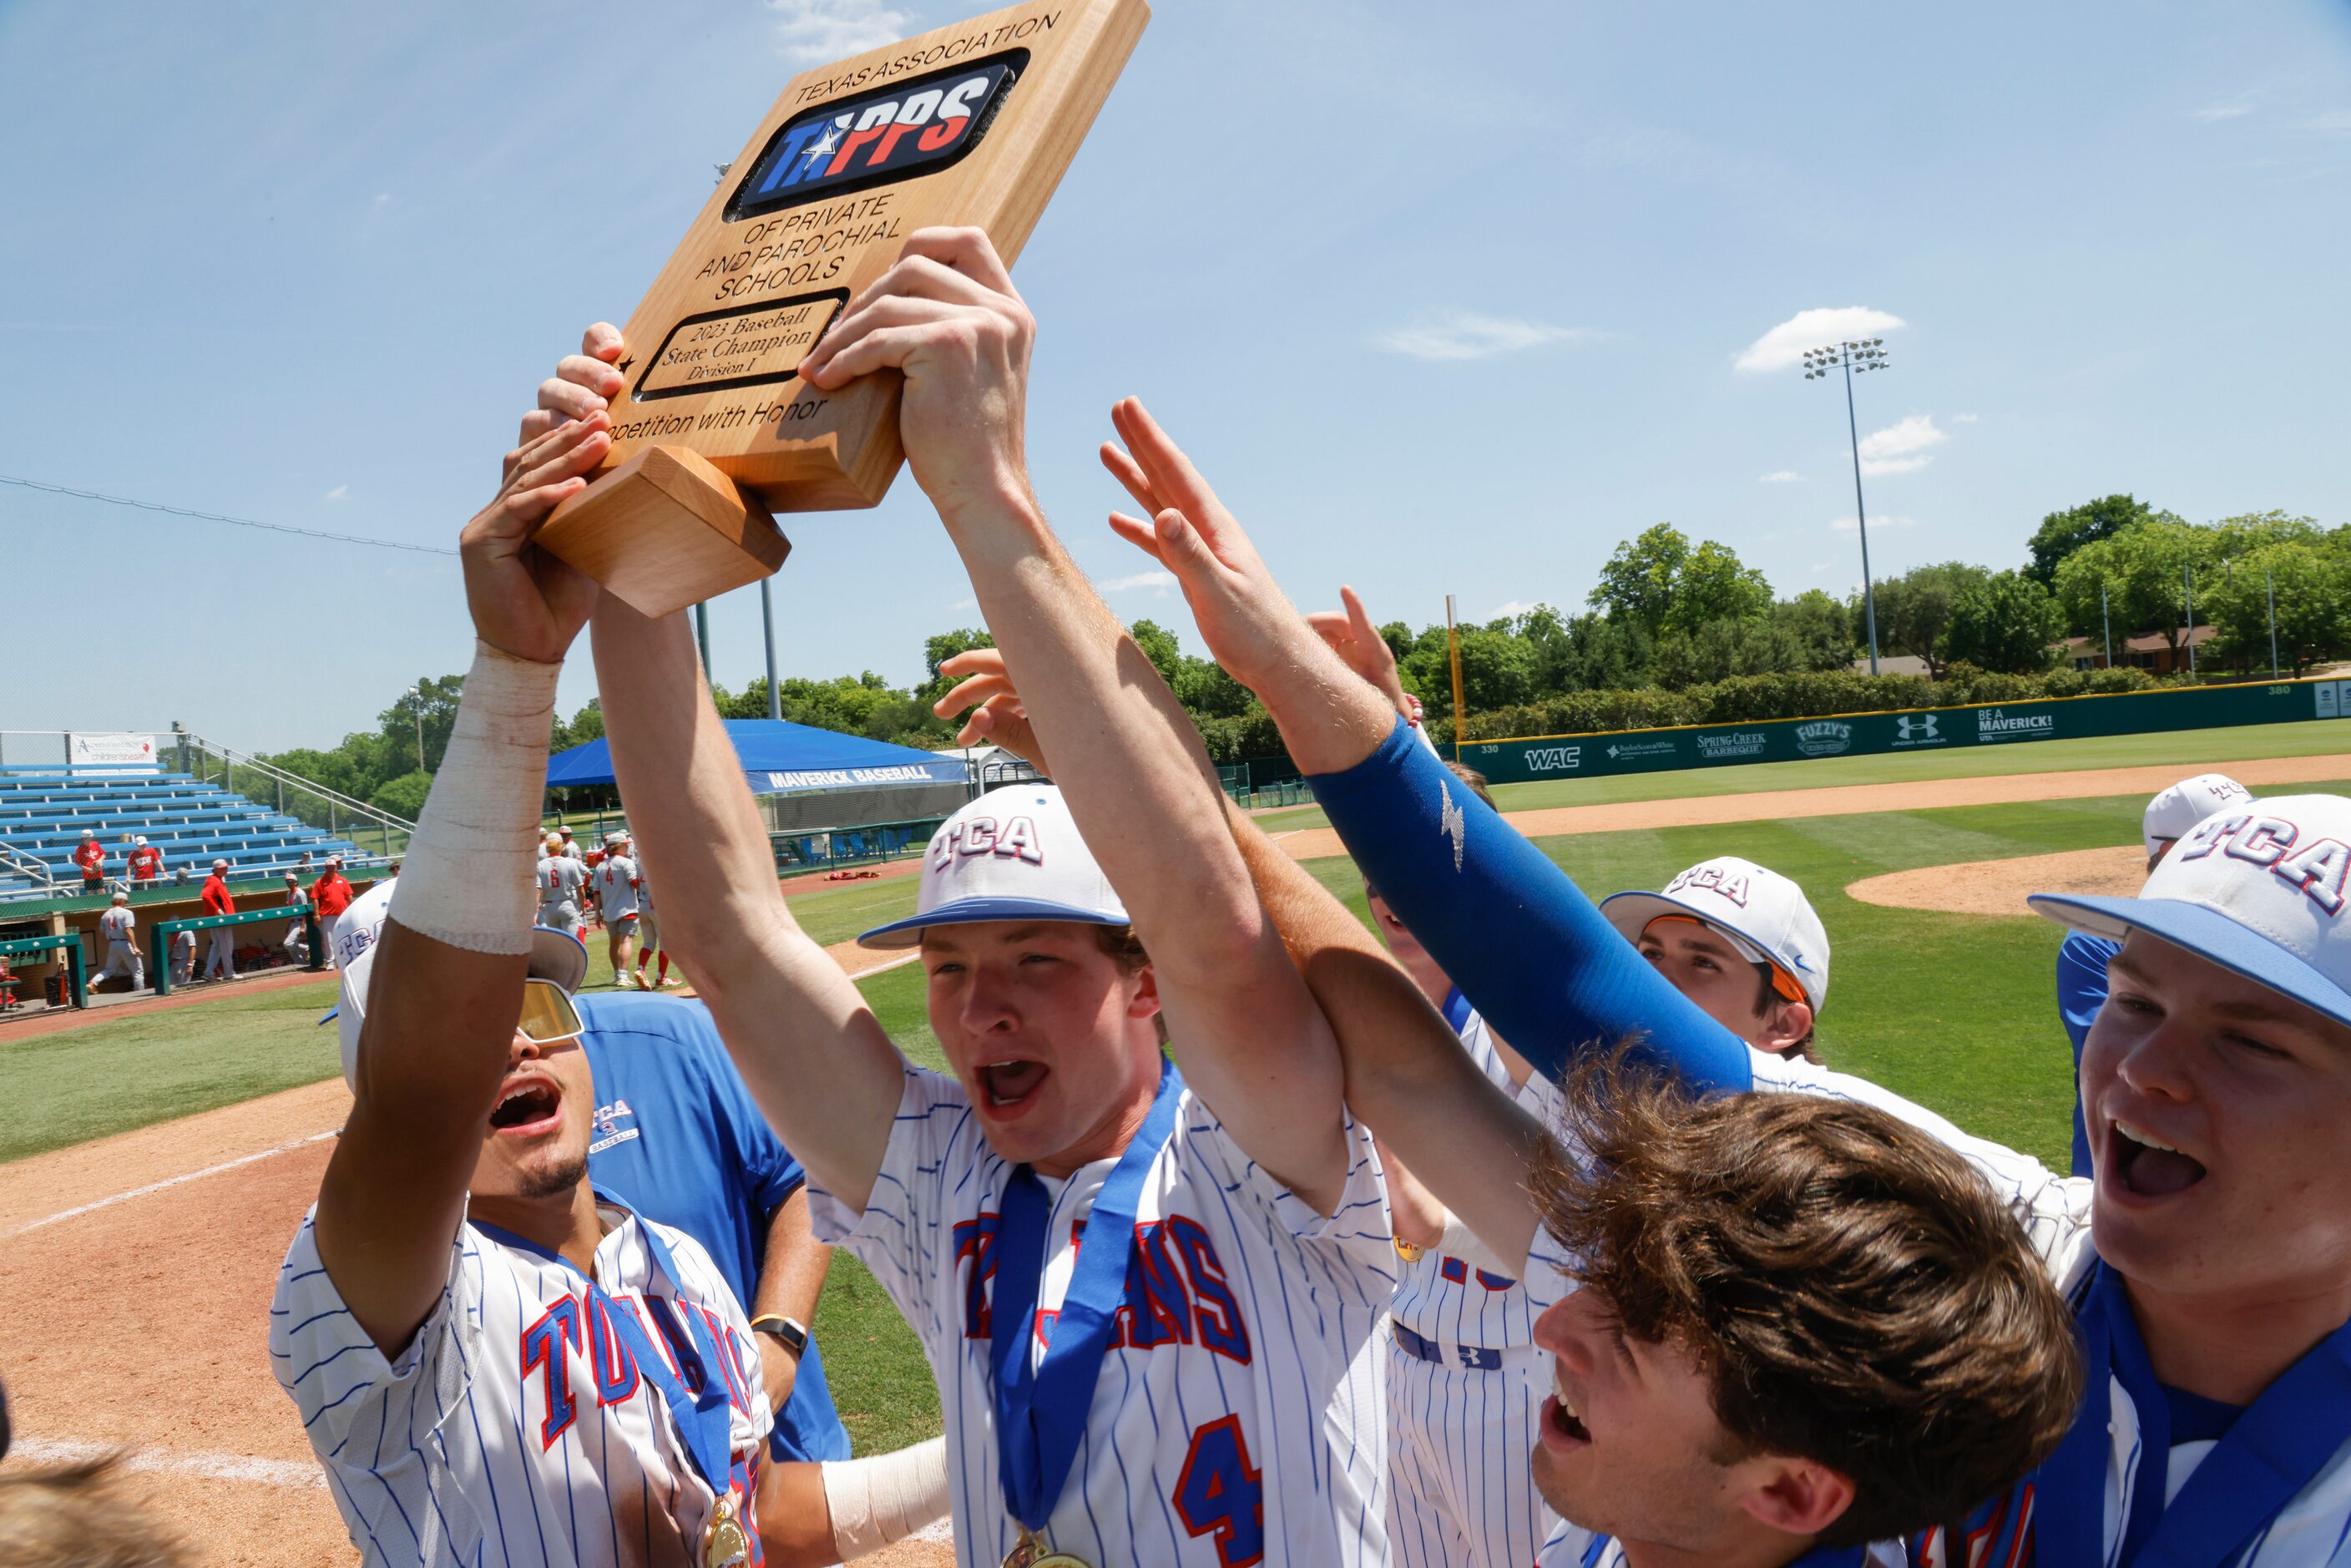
[1330,718]
[948,318]
[524,601]
[983,685]
[1351,637]
[1249,626]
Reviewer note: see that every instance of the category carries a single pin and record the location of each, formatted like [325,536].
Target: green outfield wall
[1611,752]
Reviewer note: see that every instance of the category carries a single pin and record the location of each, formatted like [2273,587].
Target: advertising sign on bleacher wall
[115,751]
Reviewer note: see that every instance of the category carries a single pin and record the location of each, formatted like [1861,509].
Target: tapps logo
[916,126]
[1823,738]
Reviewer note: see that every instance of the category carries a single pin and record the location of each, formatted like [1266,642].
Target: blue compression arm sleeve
[1509,927]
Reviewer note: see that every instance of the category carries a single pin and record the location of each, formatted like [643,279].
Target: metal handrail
[270,770]
[25,867]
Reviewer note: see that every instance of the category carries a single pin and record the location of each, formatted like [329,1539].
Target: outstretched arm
[1510,928]
[439,1036]
[818,1063]
[821,1068]
[1126,756]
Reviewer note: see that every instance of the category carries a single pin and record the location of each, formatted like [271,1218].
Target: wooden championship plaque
[713,430]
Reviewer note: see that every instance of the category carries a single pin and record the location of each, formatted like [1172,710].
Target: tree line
[1671,628]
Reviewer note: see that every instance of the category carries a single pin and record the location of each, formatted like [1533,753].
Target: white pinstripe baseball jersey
[1238,1418]
[1460,1426]
[1443,1298]
[515,1428]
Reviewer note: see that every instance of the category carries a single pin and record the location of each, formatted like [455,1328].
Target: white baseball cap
[2171,813]
[557,956]
[1012,855]
[220,865]
[88,834]
[1767,916]
[2262,889]
[140,840]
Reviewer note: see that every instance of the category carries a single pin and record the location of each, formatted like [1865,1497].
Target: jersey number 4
[1219,1492]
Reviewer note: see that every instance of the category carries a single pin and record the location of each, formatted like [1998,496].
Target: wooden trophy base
[666,529]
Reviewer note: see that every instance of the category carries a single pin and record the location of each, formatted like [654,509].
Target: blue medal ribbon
[1457,1010]
[2283,1440]
[1041,1403]
[702,1418]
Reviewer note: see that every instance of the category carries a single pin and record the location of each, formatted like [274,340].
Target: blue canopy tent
[828,797]
[782,757]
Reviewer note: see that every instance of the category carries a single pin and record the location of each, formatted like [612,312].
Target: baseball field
[153,1167]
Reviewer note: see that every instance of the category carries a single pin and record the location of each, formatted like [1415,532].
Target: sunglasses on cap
[547,1014]
[1783,984]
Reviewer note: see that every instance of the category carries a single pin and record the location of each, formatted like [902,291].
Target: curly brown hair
[1852,1288]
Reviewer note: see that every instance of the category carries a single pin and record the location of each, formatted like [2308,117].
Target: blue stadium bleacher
[42,815]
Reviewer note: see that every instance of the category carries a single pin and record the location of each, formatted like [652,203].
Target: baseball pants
[222,955]
[1459,1487]
[123,959]
[563,917]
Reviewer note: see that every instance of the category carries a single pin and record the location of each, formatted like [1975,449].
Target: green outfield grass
[2191,750]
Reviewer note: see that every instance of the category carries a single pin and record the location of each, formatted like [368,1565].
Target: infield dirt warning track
[139,1268]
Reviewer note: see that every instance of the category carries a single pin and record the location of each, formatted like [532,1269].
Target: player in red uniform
[222,955]
[146,863]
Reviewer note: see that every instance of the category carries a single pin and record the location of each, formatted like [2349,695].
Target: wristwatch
[790,1333]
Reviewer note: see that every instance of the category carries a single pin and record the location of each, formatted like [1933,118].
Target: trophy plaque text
[713,430]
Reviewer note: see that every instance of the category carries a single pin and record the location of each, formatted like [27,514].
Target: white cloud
[1785,345]
[1902,447]
[2229,108]
[2334,123]
[1780,476]
[1882,520]
[338,492]
[1465,335]
[819,30]
[1963,419]
[1513,609]
[964,603]
[1162,580]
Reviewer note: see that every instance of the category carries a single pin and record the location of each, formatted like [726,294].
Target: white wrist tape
[886,1498]
[470,873]
[1460,1241]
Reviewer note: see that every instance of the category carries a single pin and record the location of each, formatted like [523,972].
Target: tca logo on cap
[2317,869]
[877,138]
[978,836]
[1728,884]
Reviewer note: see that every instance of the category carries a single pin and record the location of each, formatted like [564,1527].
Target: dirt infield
[1851,800]
[1998,887]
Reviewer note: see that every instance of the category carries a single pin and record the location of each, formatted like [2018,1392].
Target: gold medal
[723,1545]
[1030,1552]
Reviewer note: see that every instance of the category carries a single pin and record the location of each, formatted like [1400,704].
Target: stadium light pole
[1863,354]
[416,712]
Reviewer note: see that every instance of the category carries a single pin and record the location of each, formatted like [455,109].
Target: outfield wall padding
[1608,753]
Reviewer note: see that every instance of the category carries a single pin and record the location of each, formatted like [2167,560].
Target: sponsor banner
[110,749]
[1823,738]
[1879,734]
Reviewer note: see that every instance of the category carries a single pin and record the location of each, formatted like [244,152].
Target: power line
[222,517]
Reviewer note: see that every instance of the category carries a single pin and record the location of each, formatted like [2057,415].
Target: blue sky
[1445,298]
